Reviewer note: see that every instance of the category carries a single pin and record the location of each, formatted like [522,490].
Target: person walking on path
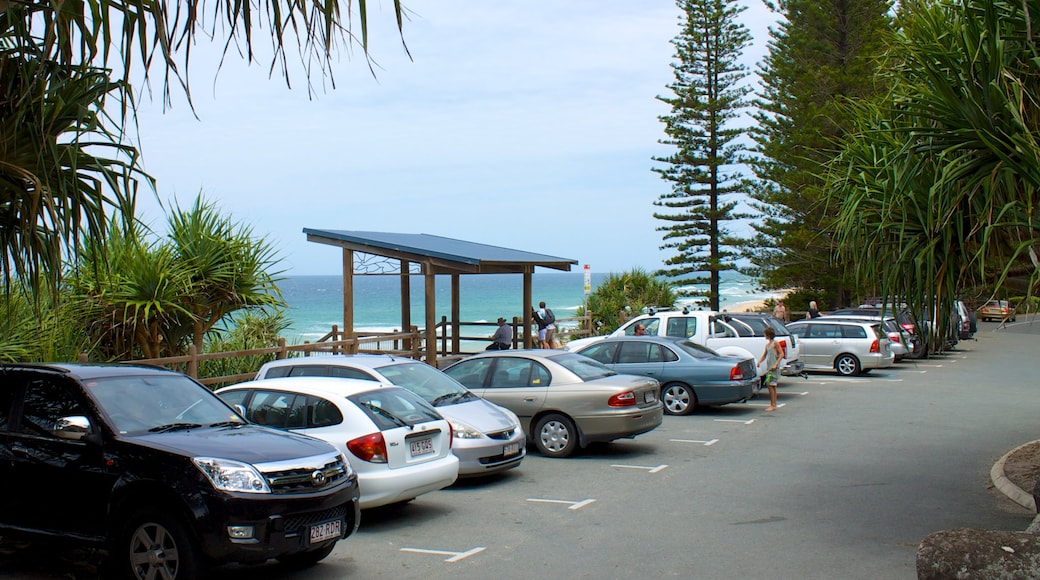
[545,319]
[503,337]
[813,311]
[780,312]
[773,354]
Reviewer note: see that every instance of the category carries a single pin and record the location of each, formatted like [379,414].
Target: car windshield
[583,366]
[159,403]
[429,383]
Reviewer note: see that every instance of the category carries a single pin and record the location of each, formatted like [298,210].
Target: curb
[1004,485]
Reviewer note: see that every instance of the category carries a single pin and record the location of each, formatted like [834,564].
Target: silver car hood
[482,415]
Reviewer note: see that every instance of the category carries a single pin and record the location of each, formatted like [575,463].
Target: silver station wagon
[488,438]
[847,346]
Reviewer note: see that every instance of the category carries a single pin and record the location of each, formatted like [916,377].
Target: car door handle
[19,450]
[529,399]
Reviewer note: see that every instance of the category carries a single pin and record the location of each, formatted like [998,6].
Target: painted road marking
[575,505]
[649,469]
[704,443]
[748,422]
[765,404]
[455,556]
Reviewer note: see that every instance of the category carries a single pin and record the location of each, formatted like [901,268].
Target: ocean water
[315,303]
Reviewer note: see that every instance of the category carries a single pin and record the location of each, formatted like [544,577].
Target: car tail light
[735,374]
[783,347]
[369,448]
[908,327]
[875,346]
[894,337]
[622,399]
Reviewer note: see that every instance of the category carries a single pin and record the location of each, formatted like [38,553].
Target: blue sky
[528,125]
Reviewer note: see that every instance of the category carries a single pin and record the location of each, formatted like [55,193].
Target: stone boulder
[970,554]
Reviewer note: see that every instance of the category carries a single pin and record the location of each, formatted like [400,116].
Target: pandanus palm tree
[940,187]
[63,169]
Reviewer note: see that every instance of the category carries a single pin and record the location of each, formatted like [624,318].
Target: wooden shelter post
[348,293]
[406,297]
[455,316]
[430,274]
[528,307]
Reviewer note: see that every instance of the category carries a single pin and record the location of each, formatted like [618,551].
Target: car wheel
[556,436]
[678,399]
[153,544]
[307,559]
[846,365]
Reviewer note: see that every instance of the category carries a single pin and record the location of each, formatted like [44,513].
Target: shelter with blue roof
[406,255]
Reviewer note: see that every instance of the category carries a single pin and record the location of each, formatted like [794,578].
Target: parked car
[756,323]
[398,444]
[565,400]
[999,310]
[849,347]
[154,468]
[902,341]
[718,331]
[691,375]
[965,320]
[917,336]
[487,438]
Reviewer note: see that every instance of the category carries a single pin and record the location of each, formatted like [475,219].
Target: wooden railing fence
[408,344]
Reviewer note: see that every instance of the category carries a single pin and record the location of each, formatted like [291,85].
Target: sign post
[588,290]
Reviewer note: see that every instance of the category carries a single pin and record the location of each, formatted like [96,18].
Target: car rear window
[583,366]
[391,408]
[696,350]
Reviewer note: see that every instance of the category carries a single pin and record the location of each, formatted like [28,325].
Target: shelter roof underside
[442,255]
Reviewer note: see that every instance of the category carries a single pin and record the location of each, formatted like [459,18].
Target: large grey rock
[969,554]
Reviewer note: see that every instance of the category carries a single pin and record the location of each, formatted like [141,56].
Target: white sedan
[398,444]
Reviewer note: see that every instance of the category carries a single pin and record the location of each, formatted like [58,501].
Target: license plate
[326,531]
[649,397]
[511,449]
[421,446]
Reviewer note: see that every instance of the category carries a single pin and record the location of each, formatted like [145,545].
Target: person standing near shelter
[503,337]
[773,354]
[813,311]
[780,312]
[545,319]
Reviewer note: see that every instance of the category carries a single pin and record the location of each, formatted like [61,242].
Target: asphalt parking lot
[843,481]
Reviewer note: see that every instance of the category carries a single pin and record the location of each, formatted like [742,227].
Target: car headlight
[464,431]
[229,475]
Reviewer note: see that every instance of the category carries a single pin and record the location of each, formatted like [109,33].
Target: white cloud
[521,124]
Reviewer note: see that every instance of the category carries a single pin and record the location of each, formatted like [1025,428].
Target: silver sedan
[564,400]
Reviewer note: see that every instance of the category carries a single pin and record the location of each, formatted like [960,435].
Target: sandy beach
[749,306]
[757,305]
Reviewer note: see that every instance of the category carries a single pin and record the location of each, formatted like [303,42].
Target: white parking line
[649,469]
[575,505]
[761,405]
[748,422]
[704,443]
[455,556]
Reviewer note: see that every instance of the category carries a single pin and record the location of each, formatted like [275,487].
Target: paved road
[843,481]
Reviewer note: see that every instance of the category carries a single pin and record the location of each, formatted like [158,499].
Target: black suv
[157,471]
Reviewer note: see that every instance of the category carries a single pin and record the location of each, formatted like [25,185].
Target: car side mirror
[240,409]
[74,428]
